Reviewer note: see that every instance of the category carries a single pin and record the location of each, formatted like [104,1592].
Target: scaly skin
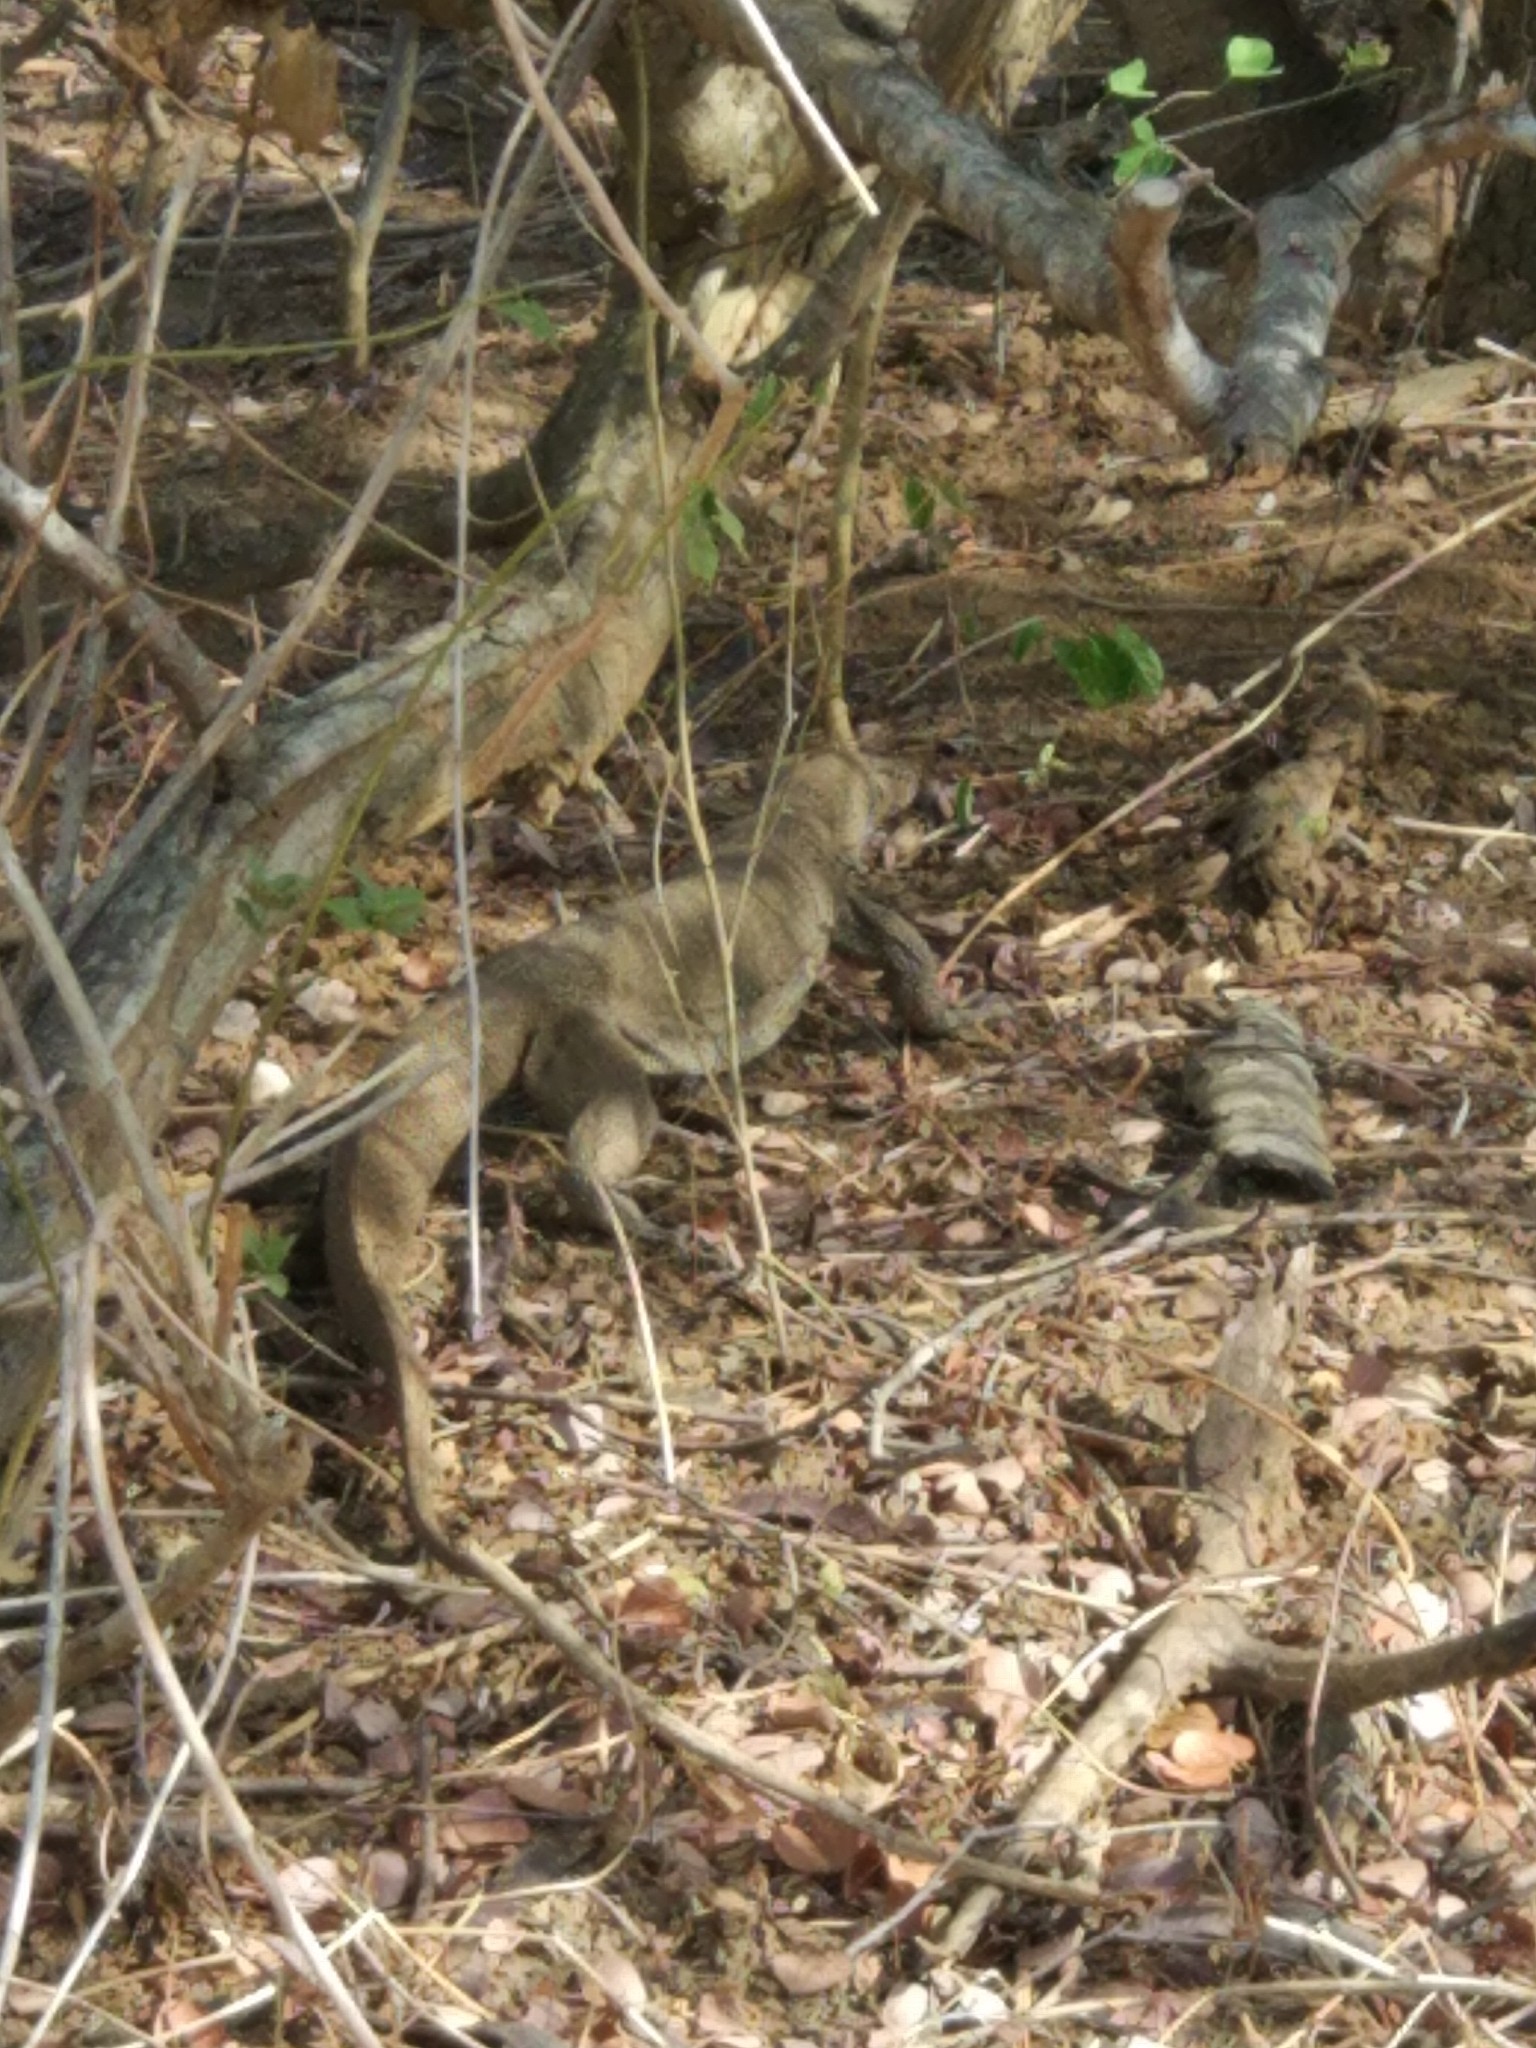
[580,1018]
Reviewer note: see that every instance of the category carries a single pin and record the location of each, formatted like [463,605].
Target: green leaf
[529,315]
[1129,82]
[348,913]
[266,1254]
[1117,667]
[1251,57]
[1363,58]
[965,802]
[920,503]
[701,552]
[269,899]
[1027,636]
[764,400]
[377,908]
[705,518]
[1146,157]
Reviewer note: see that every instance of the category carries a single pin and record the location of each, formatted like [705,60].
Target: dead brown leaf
[808,1973]
[297,80]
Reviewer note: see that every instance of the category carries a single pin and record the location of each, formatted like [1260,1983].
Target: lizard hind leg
[583,1079]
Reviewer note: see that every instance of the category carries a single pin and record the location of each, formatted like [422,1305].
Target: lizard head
[843,794]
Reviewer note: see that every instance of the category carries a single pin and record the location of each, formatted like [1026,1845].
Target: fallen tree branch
[1278,380]
[1105,268]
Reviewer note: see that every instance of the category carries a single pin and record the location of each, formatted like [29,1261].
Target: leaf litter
[914,1633]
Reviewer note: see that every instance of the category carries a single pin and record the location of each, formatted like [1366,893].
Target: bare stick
[77,1305]
[384,154]
[634,262]
[15,416]
[1431,828]
[194,681]
[653,1377]
[794,90]
[77,765]
[858,378]
[40,1102]
[128,1872]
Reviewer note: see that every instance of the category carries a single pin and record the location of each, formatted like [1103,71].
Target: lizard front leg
[868,929]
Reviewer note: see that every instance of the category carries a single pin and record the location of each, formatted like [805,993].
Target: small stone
[269,1083]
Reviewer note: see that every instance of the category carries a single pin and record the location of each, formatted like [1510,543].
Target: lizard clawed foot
[594,1204]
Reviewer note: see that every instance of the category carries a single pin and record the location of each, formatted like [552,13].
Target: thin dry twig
[317,1965]
[131,1868]
[653,1375]
[24,1867]
[729,384]
[200,702]
[196,682]
[384,154]
[793,87]
[13,414]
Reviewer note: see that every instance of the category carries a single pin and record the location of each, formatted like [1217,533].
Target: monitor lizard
[581,1017]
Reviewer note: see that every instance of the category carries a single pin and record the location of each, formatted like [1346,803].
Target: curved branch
[193,680]
[1152,324]
[1306,240]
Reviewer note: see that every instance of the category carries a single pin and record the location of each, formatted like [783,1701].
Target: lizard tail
[380,1183]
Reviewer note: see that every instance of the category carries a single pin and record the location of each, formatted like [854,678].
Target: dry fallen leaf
[654,1608]
[999,1691]
[801,1707]
[422,970]
[1201,1759]
[485,1818]
[387,1878]
[813,1844]
[331,1002]
[183,2017]
[810,1973]
[782,1103]
[620,1980]
[236,1023]
[296,80]
[313,1885]
[375,1718]
[1400,1877]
